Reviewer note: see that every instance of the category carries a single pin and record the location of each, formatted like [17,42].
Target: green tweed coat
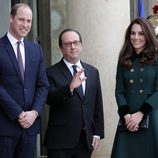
[133,88]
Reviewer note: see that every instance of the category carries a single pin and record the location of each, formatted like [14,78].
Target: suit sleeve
[98,113]
[56,95]
[41,86]
[9,106]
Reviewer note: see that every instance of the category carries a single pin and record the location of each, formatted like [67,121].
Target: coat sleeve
[120,88]
[153,99]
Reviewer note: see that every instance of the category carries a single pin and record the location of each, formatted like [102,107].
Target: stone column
[4,13]
[102,24]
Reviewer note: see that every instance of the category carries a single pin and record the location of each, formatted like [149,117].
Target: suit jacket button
[141,80]
[141,69]
[141,91]
[132,70]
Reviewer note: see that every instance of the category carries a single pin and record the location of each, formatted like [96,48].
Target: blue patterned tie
[79,89]
[20,62]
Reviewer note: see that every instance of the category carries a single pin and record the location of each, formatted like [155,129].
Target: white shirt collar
[69,65]
[13,40]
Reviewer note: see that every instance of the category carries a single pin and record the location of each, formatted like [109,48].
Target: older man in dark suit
[23,87]
[76,122]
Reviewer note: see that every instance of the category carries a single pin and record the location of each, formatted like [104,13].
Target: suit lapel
[65,71]
[13,58]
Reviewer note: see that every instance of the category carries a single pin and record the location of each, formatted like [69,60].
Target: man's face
[20,24]
[71,46]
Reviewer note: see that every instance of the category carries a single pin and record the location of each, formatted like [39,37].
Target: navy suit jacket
[17,95]
[69,114]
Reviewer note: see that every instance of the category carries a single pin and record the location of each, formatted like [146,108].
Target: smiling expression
[137,38]
[20,24]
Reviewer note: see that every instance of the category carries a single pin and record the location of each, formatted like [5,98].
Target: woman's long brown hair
[149,53]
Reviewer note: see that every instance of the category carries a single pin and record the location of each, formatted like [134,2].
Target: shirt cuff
[71,92]
[96,136]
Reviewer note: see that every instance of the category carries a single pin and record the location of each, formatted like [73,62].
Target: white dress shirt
[13,42]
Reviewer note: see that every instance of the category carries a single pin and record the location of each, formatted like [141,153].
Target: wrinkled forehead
[70,36]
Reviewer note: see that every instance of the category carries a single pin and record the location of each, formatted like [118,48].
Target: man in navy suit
[23,87]
[76,122]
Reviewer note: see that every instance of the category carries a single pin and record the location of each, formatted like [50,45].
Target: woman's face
[137,38]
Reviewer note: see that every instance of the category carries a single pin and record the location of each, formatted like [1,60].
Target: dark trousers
[21,145]
[80,151]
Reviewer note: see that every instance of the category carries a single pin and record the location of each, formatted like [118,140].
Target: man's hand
[95,143]
[26,119]
[77,80]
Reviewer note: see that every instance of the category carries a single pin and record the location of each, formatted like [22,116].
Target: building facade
[102,24]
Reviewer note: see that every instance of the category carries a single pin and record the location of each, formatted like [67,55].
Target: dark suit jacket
[15,95]
[69,113]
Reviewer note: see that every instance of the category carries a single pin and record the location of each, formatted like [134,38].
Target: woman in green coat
[137,93]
